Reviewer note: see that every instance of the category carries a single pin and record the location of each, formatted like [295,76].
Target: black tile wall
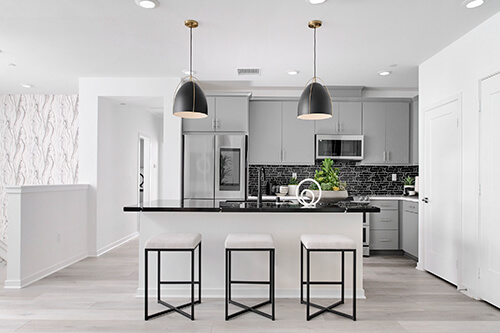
[360,179]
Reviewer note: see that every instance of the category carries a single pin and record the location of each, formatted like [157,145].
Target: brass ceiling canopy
[314,24]
[194,24]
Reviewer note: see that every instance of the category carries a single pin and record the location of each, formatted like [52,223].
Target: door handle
[388,156]
[340,127]
[426,200]
[383,156]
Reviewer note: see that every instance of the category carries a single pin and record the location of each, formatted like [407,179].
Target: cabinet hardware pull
[384,240]
[426,200]
[383,156]
[388,156]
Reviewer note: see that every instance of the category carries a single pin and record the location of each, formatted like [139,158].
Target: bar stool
[326,243]
[173,242]
[249,242]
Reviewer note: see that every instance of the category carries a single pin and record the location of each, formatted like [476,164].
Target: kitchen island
[285,221]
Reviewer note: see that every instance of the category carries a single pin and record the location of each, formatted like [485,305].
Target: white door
[489,160]
[442,190]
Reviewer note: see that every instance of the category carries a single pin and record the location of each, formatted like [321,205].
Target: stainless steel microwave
[339,147]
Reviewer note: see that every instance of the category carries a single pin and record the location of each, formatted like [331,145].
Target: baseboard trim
[18,284]
[252,293]
[3,251]
[117,243]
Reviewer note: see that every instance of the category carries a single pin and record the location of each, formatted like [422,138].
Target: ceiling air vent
[248,71]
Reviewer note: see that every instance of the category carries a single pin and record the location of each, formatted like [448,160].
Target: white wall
[170,166]
[118,133]
[47,231]
[457,70]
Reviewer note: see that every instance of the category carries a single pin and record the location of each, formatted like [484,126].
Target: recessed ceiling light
[384,73]
[316,2]
[26,85]
[187,72]
[293,72]
[148,4]
[473,3]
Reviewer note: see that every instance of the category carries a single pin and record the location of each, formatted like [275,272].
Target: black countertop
[249,207]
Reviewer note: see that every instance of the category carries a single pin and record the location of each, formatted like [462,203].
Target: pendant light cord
[191,53]
[314,54]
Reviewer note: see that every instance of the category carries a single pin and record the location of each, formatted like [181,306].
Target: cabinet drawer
[384,220]
[384,240]
[385,204]
[411,207]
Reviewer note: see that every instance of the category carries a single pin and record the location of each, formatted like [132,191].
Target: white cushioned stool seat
[174,241]
[327,242]
[249,241]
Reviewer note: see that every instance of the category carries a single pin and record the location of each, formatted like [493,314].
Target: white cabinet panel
[298,136]
[264,132]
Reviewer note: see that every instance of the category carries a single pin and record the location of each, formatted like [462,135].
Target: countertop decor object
[311,200]
[190,100]
[293,185]
[329,182]
[315,103]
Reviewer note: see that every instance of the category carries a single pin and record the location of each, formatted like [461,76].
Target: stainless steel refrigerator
[214,168]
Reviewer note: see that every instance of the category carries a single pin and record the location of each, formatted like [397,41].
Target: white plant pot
[331,196]
[292,190]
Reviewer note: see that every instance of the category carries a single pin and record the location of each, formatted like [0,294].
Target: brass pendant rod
[190,53]
[315,53]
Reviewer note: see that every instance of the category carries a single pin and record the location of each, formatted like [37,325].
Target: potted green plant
[293,184]
[409,186]
[328,178]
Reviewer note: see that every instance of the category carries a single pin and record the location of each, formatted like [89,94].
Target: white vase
[331,196]
[292,190]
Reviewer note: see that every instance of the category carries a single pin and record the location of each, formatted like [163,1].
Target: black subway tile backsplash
[360,179]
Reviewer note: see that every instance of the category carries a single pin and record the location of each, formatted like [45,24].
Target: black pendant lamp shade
[315,103]
[190,101]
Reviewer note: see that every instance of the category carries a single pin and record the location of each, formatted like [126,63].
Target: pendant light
[315,103]
[190,101]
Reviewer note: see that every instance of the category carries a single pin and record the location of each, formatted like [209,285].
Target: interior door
[442,190]
[489,160]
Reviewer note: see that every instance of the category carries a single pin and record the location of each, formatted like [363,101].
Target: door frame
[480,223]
[423,175]
[147,180]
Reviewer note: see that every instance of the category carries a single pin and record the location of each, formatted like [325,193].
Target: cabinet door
[298,137]
[350,118]
[410,233]
[232,114]
[414,134]
[265,133]
[330,125]
[201,125]
[374,133]
[397,132]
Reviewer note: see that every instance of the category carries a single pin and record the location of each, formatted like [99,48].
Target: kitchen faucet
[261,173]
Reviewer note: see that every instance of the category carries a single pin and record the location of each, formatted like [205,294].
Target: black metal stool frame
[308,283]
[230,282]
[159,282]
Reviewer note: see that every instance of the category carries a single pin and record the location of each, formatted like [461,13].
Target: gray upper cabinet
[225,114]
[386,130]
[276,136]
[298,136]
[346,119]
[414,133]
[264,133]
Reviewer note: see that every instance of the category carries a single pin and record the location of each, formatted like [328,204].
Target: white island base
[286,229]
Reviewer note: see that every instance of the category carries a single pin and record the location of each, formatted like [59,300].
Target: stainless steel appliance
[339,147]
[214,168]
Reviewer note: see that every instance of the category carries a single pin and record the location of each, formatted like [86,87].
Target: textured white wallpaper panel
[39,143]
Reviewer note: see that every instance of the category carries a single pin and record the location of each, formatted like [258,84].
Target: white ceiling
[54,42]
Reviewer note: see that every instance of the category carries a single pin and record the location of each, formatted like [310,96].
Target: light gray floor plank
[98,295]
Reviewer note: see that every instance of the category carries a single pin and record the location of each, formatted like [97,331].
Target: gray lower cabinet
[276,136]
[384,226]
[409,226]
[386,130]
[346,119]
[225,114]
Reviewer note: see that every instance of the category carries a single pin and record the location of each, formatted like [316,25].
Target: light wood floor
[98,295]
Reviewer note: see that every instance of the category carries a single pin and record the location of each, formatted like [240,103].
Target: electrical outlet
[394,177]
[294,174]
